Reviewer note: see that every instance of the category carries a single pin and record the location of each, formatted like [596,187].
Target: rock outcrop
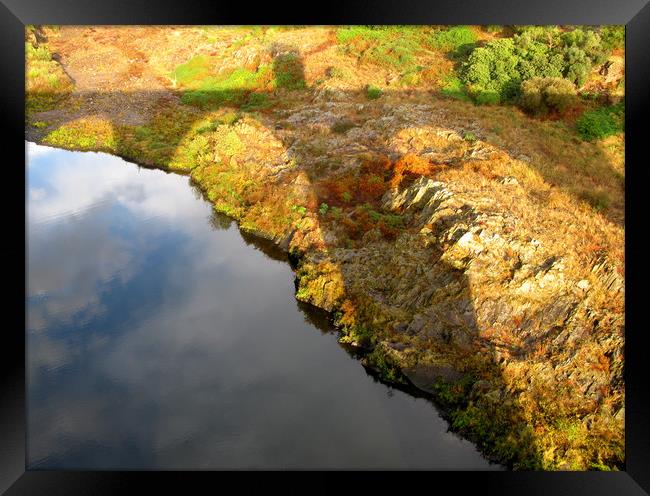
[461,247]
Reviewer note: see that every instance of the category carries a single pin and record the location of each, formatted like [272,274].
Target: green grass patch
[89,134]
[597,124]
[372,92]
[37,53]
[453,87]
[387,46]
[289,72]
[46,84]
[411,77]
[202,88]
[256,101]
[457,40]
[191,71]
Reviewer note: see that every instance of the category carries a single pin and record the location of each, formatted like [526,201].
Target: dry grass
[274,175]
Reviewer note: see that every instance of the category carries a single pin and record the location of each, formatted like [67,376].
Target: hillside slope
[474,250]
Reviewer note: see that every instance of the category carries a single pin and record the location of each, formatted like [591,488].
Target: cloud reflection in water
[158,341]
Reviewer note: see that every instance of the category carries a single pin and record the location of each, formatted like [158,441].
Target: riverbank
[461,246]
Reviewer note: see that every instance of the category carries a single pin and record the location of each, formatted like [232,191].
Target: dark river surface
[159,338]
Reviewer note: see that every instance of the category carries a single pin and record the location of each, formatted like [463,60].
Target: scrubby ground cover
[454,196]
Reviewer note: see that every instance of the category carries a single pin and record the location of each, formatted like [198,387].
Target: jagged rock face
[468,274]
[459,280]
[547,306]
[495,273]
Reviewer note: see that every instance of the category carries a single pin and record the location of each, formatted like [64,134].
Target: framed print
[390,239]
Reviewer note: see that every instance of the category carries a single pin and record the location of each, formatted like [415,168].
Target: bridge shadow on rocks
[344,186]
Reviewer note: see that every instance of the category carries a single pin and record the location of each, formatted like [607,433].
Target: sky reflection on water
[157,337]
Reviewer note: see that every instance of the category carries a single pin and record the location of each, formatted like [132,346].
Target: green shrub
[256,101]
[453,87]
[541,95]
[378,360]
[576,65]
[600,123]
[493,69]
[300,209]
[471,137]
[324,207]
[372,92]
[494,73]
[458,40]
[612,37]
[587,40]
[388,46]
[289,71]
[536,59]
[545,34]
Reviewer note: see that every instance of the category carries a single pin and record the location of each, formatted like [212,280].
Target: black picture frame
[15,14]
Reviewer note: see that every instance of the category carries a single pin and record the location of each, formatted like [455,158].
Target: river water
[159,338]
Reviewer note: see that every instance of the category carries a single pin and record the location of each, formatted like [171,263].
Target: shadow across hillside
[474,401]
[471,391]
[150,127]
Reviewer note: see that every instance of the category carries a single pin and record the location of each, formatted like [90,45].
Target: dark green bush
[577,65]
[494,72]
[600,123]
[289,71]
[612,37]
[372,92]
[541,95]
[586,40]
[537,60]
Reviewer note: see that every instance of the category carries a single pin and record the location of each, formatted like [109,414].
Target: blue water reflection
[158,337]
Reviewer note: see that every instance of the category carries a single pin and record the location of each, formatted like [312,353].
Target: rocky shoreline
[450,242]
[433,329]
